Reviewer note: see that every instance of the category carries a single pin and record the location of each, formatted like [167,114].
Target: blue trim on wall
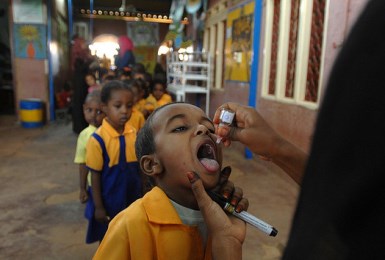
[50,76]
[254,65]
[70,19]
[91,32]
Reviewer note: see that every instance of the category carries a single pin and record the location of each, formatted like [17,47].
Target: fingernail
[238,208]
[192,176]
[226,194]
[233,202]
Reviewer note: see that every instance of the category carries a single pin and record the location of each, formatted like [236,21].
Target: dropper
[226,119]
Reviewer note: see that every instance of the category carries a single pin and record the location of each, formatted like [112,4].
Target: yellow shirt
[139,106]
[150,228]
[150,103]
[80,155]
[94,157]
[165,99]
[145,105]
[137,119]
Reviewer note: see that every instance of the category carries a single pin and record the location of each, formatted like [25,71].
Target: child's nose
[201,129]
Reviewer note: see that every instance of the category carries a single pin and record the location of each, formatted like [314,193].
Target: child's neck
[119,129]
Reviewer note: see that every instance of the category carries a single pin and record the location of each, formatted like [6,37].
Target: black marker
[247,217]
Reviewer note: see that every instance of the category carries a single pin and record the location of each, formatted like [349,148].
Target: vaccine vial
[226,118]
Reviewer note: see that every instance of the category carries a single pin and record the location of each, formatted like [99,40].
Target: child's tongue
[210,164]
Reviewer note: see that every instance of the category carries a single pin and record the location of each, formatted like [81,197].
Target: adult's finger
[204,201]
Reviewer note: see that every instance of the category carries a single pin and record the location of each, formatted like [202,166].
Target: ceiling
[143,6]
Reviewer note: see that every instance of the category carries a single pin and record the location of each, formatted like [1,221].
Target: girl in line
[116,181]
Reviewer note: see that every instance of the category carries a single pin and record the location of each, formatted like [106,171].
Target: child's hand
[227,189]
[101,215]
[83,196]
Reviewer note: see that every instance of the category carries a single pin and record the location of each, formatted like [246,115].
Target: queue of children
[139,203]
[110,178]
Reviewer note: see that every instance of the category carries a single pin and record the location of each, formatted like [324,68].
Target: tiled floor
[42,217]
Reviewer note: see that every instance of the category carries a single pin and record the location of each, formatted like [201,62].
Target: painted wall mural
[239,42]
[30,41]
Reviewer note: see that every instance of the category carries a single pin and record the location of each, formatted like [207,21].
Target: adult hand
[233,193]
[252,130]
[248,128]
[228,233]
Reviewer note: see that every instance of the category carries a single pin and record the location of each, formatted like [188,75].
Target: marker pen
[245,216]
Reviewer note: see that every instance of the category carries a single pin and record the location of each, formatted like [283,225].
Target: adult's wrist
[226,248]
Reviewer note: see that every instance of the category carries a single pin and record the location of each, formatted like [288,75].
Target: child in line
[138,71]
[159,92]
[166,223]
[94,116]
[125,74]
[143,104]
[91,82]
[116,181]
[137,119]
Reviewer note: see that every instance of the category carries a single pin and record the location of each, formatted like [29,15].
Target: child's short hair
[141,84]
[90,74]
[128,82]
[93,95]
[109,78]
[160,78]
[145,143]
[138,68]
[161,82]
[111,86]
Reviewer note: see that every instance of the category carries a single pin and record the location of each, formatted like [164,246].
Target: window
[81,29]
[293,48]
[214,40]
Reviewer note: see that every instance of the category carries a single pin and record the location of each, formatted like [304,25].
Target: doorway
[7,100]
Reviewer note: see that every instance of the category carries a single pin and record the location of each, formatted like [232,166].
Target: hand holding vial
[226,119]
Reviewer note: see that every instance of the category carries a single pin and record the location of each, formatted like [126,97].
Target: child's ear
[150,165]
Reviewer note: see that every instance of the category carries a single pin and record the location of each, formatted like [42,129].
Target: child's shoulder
[133,216]
[87,132]
[151,99]
[136,114]
[167,97]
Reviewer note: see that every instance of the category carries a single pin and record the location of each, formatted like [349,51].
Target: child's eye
[99,112]
[179,129]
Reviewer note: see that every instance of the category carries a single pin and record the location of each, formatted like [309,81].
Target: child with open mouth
[166,223]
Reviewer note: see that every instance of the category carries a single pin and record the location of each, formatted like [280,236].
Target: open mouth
[207,157]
